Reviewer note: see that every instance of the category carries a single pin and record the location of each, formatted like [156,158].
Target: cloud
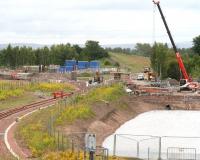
[109,21]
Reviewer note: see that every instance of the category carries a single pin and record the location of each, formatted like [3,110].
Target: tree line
[163,59]
[56,54]
[142,49]
[164,63]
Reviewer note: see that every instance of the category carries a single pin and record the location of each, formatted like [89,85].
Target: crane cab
[183,82]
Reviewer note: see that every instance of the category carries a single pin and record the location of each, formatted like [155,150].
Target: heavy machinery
[149,75]
[186,83]
[97,79]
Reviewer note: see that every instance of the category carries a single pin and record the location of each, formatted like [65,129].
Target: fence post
[84,155]
[160,149]
[114,145]
[148,152]
[58,140]
[72,146]
[138,149]
[62,143]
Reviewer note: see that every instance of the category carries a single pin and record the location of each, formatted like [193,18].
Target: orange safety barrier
[61,94]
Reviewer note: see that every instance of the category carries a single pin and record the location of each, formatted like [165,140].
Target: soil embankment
[110,116]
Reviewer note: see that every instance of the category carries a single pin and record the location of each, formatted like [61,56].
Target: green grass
[51,87]
[72,113]
[24,99]
[86,74]
[76,156]
[16,93]
[33,130]
[133,63]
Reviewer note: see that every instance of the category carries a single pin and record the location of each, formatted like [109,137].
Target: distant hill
[184,45]
[33,45]
[131,46]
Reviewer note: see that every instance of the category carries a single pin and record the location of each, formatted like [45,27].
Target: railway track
[10,112]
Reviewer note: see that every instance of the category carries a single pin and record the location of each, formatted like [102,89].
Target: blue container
[70,62]
[69,68]
[62,69]
[83,64]
[95,64]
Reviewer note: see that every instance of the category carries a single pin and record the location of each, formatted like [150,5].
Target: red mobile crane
[185,83]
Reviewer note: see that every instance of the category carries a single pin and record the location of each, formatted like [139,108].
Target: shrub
[51,87]
[71,113]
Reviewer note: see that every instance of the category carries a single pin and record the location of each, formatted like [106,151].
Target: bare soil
[109,117]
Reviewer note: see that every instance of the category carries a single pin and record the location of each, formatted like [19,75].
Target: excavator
[186,83]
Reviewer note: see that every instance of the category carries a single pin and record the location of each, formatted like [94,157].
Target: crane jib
[178,56]
[181,66]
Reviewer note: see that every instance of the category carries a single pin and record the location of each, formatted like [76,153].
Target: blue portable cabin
[83,64]
[70,63]
[69,68]
[95,64]
[61,69]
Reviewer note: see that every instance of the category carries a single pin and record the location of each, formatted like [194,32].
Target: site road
[8,117]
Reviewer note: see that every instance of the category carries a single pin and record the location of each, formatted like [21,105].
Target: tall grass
[51,87]
[72,113]
[68,155]
[81,106]
[133,63]
[18,88]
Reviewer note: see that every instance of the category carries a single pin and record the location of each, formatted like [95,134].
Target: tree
[196,45]
[92,51]
[159,59]
[77,48]
[173,70]
[143,49]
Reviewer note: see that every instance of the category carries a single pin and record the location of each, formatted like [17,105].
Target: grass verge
[24,99]
[132,63]
[32,131]
[16,93]
[68,155]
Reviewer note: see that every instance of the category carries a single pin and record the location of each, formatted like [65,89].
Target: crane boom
[178,56]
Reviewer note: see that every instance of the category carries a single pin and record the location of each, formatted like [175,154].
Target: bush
[5,94]
[107,63]
[39,142]
[71,113]
[51,87]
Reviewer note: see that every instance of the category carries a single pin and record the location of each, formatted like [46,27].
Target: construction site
[87,110]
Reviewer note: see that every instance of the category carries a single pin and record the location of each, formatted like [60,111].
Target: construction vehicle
[186,83]
[97,79]
[149,75]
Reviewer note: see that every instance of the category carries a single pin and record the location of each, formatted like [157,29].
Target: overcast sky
[107,21]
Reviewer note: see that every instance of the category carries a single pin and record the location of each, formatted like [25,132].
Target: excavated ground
[110,116]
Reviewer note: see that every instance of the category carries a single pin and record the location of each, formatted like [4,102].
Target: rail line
[10,112]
